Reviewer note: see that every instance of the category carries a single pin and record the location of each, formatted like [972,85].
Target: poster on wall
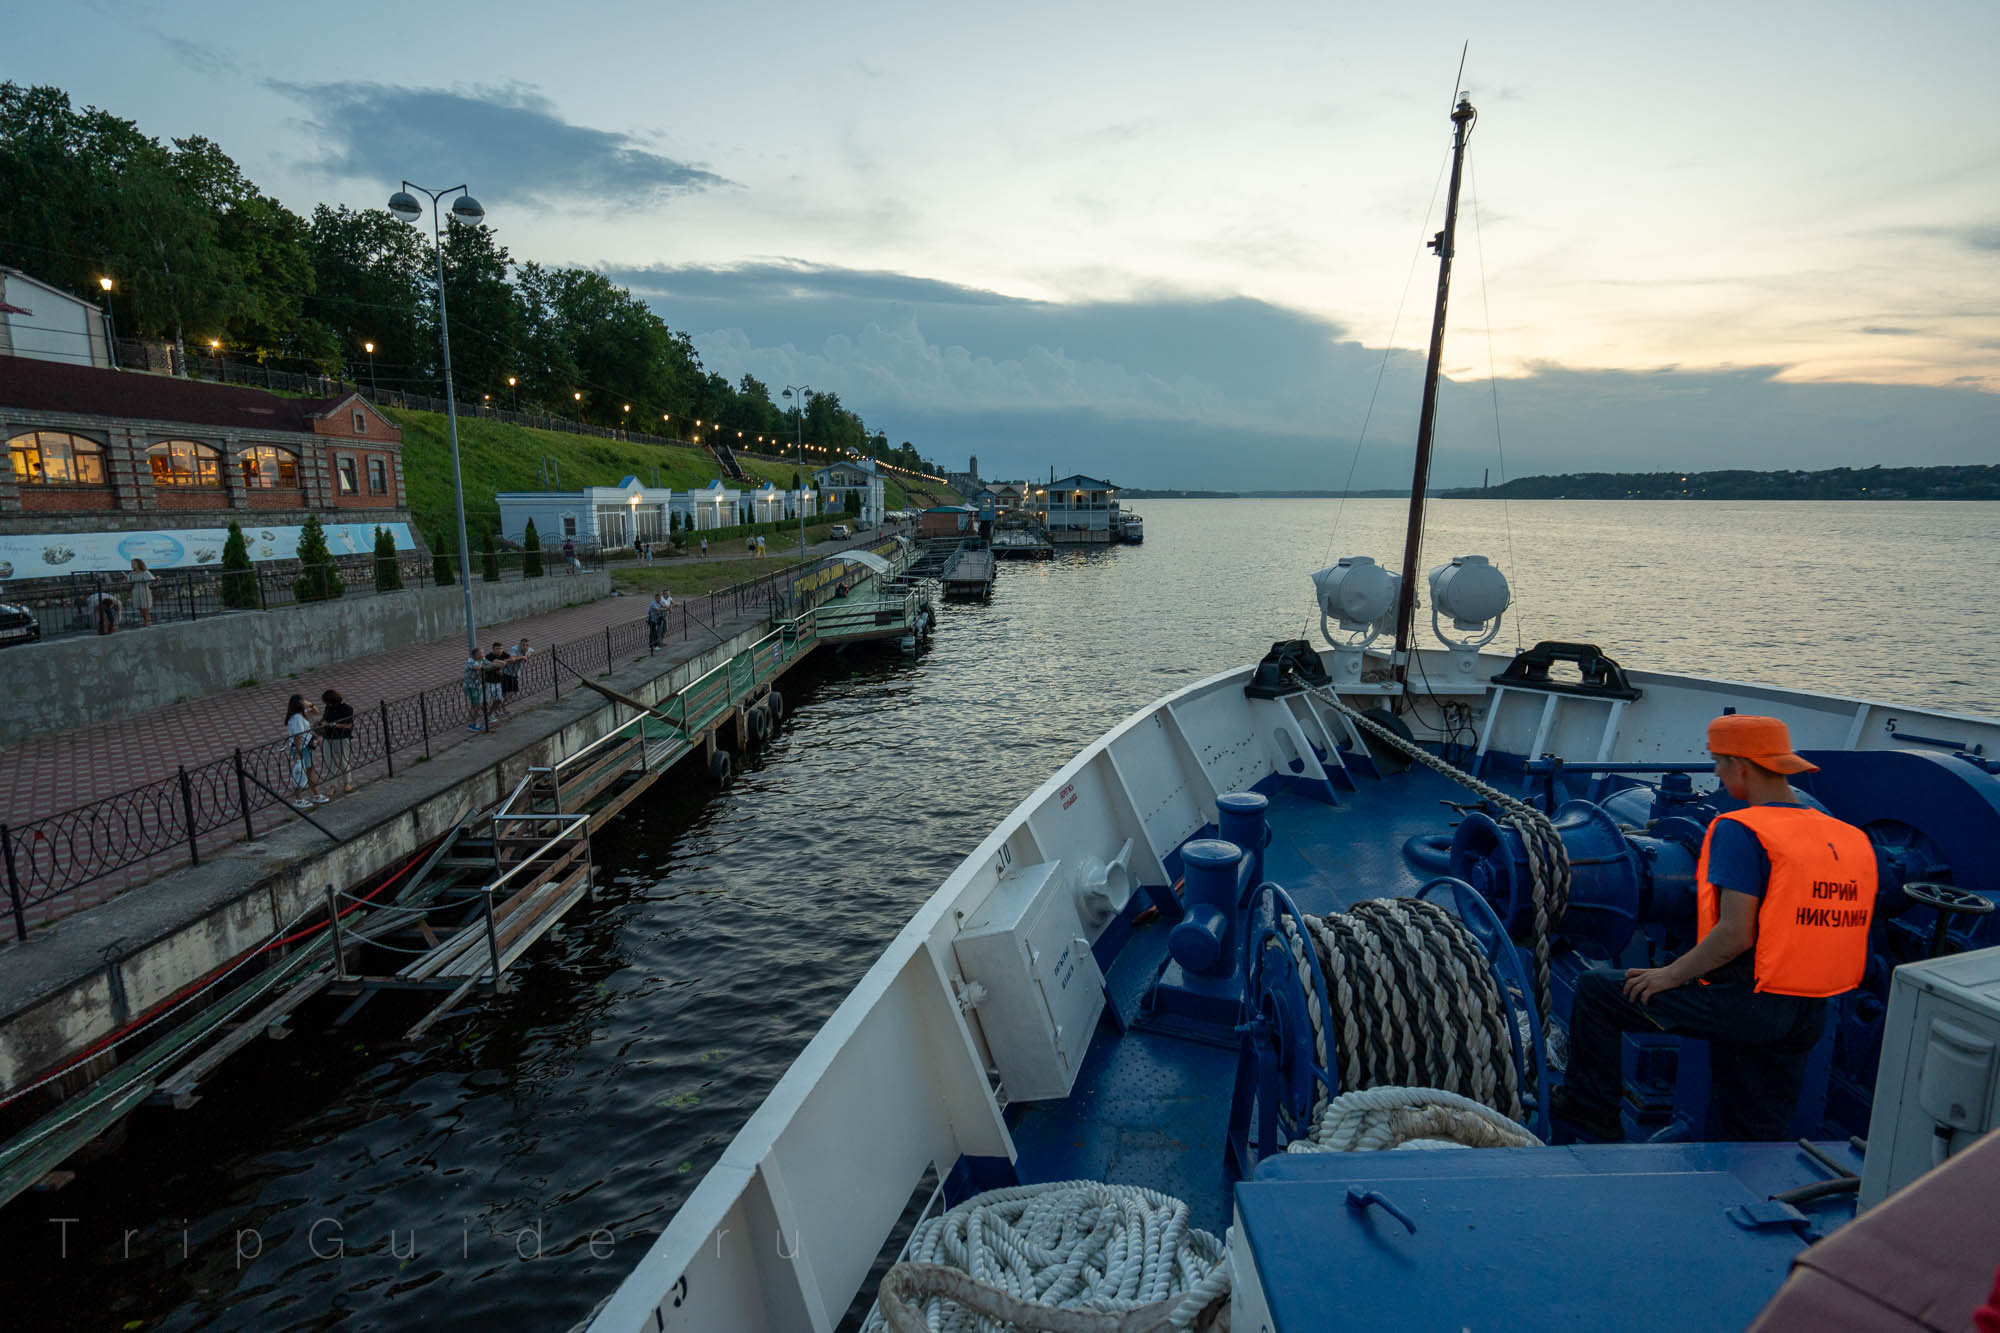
[33,555]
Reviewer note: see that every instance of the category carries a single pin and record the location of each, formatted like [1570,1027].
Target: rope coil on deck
[1377,1119]
[1415,1003]
[1074,1256]
[1548,859]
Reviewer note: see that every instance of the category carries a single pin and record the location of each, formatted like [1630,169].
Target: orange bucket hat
[1764,741]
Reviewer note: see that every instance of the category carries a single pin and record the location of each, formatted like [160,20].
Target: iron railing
[75,603]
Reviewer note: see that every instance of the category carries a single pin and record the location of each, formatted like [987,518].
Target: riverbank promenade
[94,812]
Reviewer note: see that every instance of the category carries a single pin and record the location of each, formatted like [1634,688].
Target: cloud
[507,142]
[1885,331]
[1233,393]
[206,60]
[1983,238]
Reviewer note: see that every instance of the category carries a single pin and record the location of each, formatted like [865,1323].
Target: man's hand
[1643,983]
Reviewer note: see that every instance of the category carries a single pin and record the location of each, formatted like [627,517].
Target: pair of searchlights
[1357,605]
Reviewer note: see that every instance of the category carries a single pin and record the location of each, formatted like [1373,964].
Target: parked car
[839,531]
[18,625]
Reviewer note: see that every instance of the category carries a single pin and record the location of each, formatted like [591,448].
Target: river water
[513,1168]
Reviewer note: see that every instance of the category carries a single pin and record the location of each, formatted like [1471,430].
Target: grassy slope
[498,457]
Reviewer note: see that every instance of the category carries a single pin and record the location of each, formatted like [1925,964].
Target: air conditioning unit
[1938,1086]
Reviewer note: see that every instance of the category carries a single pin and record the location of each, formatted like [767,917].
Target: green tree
[489,559]
[319,577]
[531,552]
[239,580]
[483,308]
[388,565]
[853,503]
[372,283]
[441,572]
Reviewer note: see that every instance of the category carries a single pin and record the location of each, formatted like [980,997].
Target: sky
[1181,245]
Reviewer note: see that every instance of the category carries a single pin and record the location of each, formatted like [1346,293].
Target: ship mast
[1443,243]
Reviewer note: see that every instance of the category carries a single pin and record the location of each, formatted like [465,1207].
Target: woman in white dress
[304,739]
[141,580]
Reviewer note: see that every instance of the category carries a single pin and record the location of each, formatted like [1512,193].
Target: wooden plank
[179,1086]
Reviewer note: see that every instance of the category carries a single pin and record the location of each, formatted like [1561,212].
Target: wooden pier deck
[970,574]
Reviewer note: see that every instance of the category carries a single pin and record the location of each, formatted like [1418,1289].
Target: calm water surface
[512,1169]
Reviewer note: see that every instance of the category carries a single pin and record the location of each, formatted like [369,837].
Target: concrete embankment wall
[77,983]
[82,681]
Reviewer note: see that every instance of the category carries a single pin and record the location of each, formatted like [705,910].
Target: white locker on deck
[1026,948]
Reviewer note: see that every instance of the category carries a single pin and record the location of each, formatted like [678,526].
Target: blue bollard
[1201,942]
[1239,818]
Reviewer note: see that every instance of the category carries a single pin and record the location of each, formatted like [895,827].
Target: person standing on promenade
[141,580]
[656,619]
[303,738]
[493,675]
[704,548]
[337,729]
[569,555]
[475,692]
[510,673]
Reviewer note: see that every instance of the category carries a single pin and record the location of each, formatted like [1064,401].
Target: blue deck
[1152,1109]
[1496,1228]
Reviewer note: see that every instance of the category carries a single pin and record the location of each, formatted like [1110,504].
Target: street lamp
[799,416]
[370,349]
[467,210]
[515,384]
[110,322]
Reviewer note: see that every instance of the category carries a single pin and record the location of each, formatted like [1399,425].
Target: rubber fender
[759,724]
[776,703]
[718,769]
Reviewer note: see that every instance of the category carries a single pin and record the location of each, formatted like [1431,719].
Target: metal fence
[77,603]
[120,840]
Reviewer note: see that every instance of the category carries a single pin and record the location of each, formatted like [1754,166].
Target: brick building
[139,462]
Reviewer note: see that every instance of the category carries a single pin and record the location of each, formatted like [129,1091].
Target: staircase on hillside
[725,458]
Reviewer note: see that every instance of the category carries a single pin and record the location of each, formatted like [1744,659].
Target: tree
[388,565]
[853,505]
[796,483]
[531,552]
[484,310]
[441,573]
[489,559]
[319,577]
[372,283]
[239,581]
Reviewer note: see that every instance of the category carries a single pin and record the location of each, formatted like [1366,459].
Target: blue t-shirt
[1736,858]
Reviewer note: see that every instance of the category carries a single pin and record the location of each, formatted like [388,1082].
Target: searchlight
[1360,597]
[1472,593]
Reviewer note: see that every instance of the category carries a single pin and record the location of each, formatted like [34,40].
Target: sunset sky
[1170,243]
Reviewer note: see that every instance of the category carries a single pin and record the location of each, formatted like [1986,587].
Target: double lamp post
[467,210]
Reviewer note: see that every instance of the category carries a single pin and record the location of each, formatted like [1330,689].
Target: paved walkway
[58,772]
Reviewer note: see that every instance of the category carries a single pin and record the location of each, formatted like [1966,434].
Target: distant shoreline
[1967,482]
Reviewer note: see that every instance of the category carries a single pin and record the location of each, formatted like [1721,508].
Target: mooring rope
[1548,859]
[1377,1119]
[1415,1003]
[1075,1256]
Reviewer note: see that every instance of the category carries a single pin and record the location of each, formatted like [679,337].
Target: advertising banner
[32,555]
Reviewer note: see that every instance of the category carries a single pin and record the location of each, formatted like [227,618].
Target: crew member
[1784,897]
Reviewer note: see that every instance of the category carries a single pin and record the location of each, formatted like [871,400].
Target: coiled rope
[1377,1119]
[1548,859]
[1075,1256]
[1414,1003]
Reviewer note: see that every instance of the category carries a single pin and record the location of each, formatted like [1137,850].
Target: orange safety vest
[1812,925]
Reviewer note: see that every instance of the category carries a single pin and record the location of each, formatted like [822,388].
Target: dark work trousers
[1758,1043]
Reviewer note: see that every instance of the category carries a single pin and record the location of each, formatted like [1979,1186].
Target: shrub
[388,565]
[441,572]
[319,579]
[239,581]
[531,548]
[489,559]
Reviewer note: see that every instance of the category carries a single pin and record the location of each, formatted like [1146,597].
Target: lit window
[378,476]
[265,468]
[185,463]
[53,457]
[346,479]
